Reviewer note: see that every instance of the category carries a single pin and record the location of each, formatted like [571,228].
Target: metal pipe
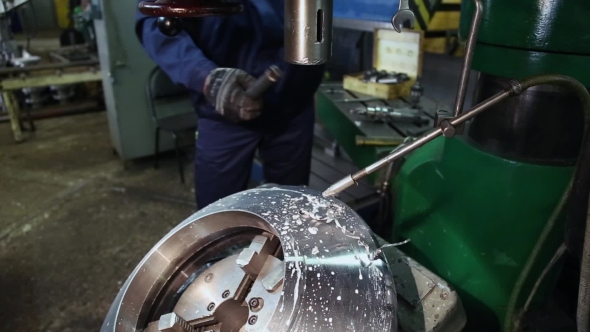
[271,76]
[18,70]
[470,47]
[556,257]
[477,109]
[403,150]
[577,185]
[378,141]
[308,31]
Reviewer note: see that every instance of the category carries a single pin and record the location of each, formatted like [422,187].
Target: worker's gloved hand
[225,88]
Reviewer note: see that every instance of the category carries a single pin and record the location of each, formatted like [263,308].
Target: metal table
[344,126]
[10,84]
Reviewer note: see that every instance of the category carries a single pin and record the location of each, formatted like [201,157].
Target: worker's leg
[223,160]
[287,155]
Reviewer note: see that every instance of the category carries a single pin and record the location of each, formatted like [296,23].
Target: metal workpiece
[467,62]
[397,115]
[294,261]
[270,77]
[404,16]
[378,141]
[308,31]
[448,126]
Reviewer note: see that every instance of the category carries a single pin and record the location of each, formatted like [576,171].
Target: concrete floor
[74,222]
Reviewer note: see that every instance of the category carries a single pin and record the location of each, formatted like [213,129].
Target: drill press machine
[476,206]
[485,210]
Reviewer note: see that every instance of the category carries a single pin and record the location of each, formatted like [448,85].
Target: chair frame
[151,104]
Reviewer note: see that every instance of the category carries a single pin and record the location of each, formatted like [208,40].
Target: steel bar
[470,48]
[403,150]
[271,76]
[357,100]
[378,141]
[15,70]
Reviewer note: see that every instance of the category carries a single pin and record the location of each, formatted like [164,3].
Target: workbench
[335,115]
[38,79]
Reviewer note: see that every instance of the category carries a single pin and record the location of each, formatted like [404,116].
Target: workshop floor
[74,222]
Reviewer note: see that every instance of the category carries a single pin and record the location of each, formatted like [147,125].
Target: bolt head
[448,130]
[444,296]
[209,277]
[225,294]
[254,303]
[252,320]
[211,306]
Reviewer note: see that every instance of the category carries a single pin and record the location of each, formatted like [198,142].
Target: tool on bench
[384,77]
[416,93]
[403,16]
[387,113]
[357,100]
[378,141]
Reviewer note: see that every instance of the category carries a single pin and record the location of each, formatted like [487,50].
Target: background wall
[45,14]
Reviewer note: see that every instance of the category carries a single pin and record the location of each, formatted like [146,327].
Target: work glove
[225,88]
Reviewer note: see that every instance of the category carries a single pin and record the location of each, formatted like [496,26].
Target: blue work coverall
[252,41]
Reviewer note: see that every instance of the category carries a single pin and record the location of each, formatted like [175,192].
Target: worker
[217,58]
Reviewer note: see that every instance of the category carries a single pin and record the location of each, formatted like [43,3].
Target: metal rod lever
[470,48]
[447,128]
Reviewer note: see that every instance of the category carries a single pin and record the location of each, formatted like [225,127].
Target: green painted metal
[560,26]
[474,218]
[520,64]
[345,132]
[523,38]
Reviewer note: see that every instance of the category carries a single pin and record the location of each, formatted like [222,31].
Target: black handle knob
[169,26]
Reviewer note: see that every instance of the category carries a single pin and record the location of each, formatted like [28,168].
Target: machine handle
[189,8]
[271,76]
[170,11]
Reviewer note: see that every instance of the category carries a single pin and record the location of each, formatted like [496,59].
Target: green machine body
[475,205]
